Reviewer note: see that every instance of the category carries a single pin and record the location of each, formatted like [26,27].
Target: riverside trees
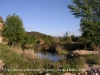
[89,13]
[14,30]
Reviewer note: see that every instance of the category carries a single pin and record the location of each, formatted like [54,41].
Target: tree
[29,39]
[66,38]
[74,38]
[14,30]
[89,13]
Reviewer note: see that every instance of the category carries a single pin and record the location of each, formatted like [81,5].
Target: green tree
[73,38]
[89,13]
[66,38]
[14,30]
[29,39]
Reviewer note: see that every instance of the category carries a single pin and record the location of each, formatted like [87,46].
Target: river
[52,56]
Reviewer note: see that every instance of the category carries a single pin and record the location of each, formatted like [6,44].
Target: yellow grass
[29,54]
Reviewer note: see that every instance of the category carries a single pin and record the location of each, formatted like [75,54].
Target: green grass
[93,59]
[16,61]
[13,60]
[75,63]
[62,52]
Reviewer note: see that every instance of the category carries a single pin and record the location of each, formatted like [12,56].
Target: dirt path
[1,74]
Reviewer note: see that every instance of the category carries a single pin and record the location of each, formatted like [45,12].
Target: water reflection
[51,56]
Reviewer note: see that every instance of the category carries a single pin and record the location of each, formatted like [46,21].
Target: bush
[93,59]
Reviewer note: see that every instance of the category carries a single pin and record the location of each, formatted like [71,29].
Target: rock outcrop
[84,52]
[1,28]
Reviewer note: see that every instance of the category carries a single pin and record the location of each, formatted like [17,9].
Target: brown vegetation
[29,54]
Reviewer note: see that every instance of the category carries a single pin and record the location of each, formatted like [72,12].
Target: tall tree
[89,13]
[14,30]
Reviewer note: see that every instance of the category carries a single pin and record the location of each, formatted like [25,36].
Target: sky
[50,17]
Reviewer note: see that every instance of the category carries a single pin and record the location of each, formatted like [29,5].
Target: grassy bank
[93,59]
[17,63]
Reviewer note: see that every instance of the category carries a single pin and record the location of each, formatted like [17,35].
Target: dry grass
[29,54]
[15,60]
[60,50]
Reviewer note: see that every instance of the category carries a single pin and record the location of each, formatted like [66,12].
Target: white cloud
[30,26]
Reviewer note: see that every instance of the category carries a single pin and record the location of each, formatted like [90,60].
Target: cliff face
[1,25]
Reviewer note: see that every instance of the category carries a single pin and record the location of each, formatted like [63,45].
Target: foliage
[93,59]
[14,30]
[40,36]
[29,39]
[89,13]
[74,46]
[74,38]
[74,63]
[66,38]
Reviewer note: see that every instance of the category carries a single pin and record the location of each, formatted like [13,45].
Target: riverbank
[28,63]
[17,62]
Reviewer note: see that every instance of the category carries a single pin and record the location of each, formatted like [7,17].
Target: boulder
[83,52]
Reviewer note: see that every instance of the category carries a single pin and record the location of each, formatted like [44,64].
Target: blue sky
[50,17]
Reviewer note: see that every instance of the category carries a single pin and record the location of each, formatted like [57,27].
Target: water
[52,57]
